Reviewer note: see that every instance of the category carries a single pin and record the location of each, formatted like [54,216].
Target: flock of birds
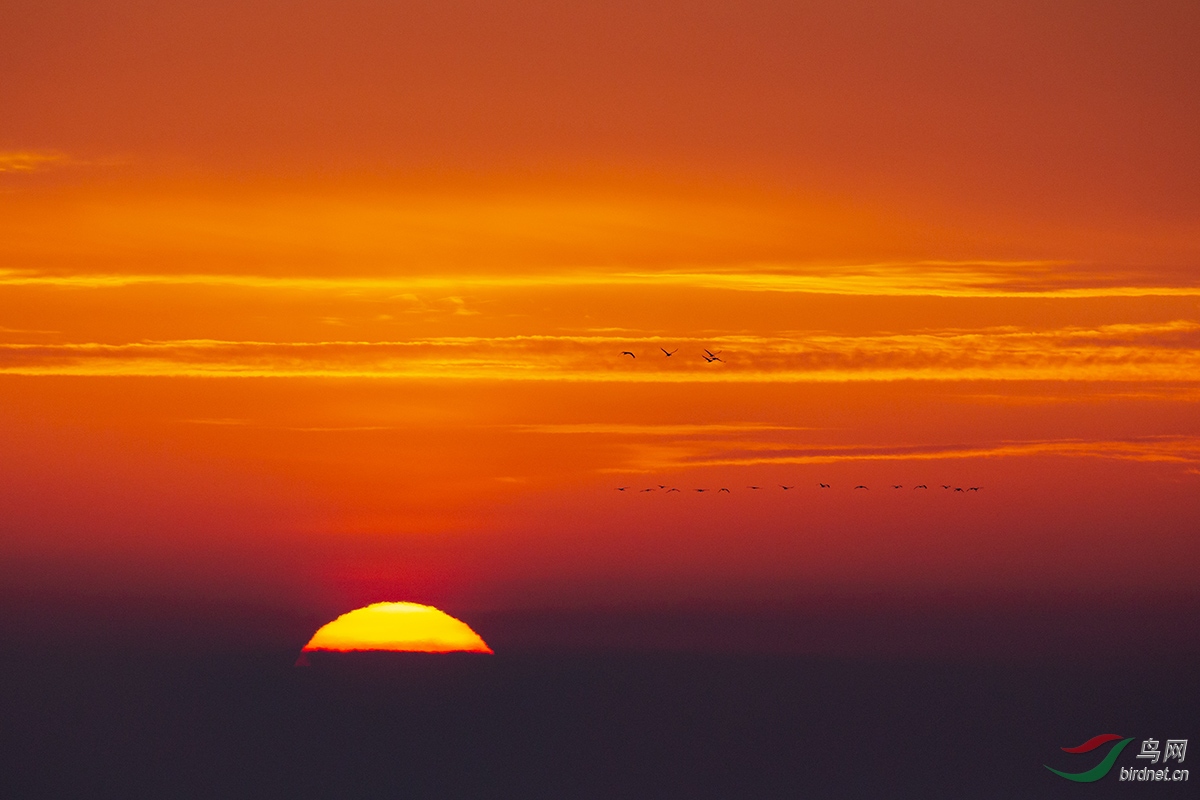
[667,490]
[708,356]
[711,357]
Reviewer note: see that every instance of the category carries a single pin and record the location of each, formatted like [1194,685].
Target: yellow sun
[408,627]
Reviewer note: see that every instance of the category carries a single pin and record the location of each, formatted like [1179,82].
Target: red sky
[323,304]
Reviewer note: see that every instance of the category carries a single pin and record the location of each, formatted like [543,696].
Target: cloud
[716,429]
[1015,279]
[1167,352]
[4,329]
[30,161]
[1182,450]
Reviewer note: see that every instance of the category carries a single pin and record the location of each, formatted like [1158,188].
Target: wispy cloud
[3,329]
[30,161]
[1182,450]
[1029,279]
[1167,352]
[715,429]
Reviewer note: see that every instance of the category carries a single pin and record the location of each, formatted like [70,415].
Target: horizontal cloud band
[892,279]
[1167,352]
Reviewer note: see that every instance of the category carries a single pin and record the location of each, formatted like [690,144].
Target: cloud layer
[1164,352]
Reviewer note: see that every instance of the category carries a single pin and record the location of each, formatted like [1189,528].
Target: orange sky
[324,303]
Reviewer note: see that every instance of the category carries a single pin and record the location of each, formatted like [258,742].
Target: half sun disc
[404,627]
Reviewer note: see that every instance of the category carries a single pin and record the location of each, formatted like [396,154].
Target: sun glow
[409,627]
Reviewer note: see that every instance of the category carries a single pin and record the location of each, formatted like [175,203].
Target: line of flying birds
[668,490]
[708,356]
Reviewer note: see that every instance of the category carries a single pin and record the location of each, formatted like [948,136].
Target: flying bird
[860,486]
[974,489]
[823,485]
[723,489]
[711,354]
[714,358]
[897,486]
[672,489]
[705,490]
[958,488]
[921,486]
[785,488]
[647,490]
[622,488]
[627,353]
[669,352]
[945,486]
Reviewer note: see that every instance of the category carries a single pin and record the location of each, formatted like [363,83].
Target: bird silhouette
[714,358]
[753,487]
[785,488]
[897,486]
[958,488]
[662,486]
[711,354]
[672,489]
[622,488]
[921,486]
[627,353]
[702,490]
[669,352]
[723,489]
[860,486]
[945,486]
[823,485]
[647,490]
[974,489]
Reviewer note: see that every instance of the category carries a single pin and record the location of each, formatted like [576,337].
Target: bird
[627,353]
[958,488]
[723,489]
[672,489]
[662,486]
[823,485]
[860,486]
[711,354]
[897,486]
[753,487]
[714,358]
[921,486]
[647,490]
[974,489]
[702,490]
[622,488]
[669,352]
[785,488]
[945,486]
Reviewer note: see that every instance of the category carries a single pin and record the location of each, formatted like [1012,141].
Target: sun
[405,627]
